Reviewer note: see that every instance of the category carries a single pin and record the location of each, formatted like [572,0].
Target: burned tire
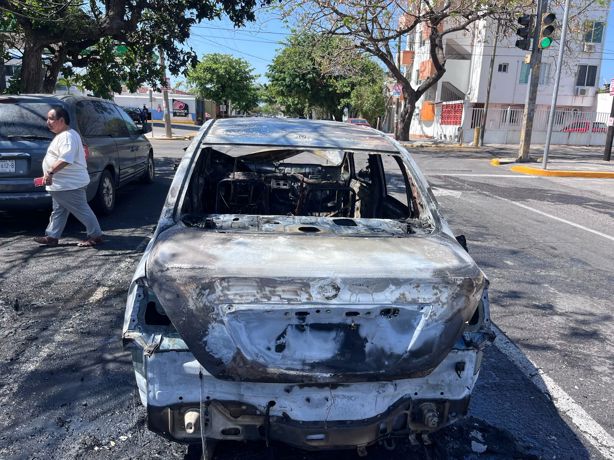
[104,201]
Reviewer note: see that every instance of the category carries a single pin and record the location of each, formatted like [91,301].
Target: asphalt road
[67,388]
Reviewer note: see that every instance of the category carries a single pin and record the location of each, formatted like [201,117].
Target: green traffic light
[545,42]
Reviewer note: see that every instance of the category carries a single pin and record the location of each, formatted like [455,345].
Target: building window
[587,75]
[544,73]
[525,70]
[593,31]
[503,67]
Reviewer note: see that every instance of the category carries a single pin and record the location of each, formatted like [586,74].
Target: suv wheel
[104,201]
[150,171]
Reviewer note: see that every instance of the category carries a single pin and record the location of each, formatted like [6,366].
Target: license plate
[7,166]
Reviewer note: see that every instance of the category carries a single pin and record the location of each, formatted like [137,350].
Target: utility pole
[397,121]
[529,106]
[490,71]
[167,113]
[607,152]
[555,92]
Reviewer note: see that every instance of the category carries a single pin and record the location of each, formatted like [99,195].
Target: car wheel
[104,201]
[149,174]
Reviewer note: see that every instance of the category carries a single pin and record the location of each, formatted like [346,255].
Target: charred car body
[302,286]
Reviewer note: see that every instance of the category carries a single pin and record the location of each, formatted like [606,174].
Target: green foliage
[68,29]
[222,78]
[110,67]
[323,73]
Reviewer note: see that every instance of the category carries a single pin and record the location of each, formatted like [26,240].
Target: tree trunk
[53,71]
[404,121]
[31,65]
[2,68]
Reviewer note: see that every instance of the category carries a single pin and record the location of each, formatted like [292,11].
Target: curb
[561,173]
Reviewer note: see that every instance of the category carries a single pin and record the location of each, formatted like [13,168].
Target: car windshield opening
[332,184]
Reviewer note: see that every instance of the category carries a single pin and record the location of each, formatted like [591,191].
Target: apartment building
[459,97]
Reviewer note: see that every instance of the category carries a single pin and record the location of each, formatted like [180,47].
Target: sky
[258,42]
[607,65]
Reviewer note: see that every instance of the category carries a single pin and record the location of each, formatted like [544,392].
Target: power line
[234,49]
[251,40]
[285,34]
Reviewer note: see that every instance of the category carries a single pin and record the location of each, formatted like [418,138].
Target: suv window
[91,120]
[24,119]
[115,123]
[100,119]
[132,128]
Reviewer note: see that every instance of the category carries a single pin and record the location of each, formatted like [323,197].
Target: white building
[454,106]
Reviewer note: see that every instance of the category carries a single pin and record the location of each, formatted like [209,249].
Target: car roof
[49,98]
[295,133]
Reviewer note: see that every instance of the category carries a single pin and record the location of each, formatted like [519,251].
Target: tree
[376,26]
[59,33]
[223,78]
[321,73]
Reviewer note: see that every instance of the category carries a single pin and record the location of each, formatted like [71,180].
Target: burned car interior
[343,185]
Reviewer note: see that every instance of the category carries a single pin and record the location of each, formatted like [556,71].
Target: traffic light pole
[529,106]
[490,71]
[555,92]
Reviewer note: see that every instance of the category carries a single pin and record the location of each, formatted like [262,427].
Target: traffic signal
[546,30]
[524,32]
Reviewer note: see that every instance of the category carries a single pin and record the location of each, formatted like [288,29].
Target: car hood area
[314,308]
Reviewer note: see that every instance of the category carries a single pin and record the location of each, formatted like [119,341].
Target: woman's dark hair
[61,112]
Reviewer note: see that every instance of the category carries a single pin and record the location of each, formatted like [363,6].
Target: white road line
[545,214]
[515,176]
[594,433]
[66,330]
[446,192]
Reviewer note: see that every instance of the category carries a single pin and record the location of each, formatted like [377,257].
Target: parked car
[584,126]
[134,112]
[358,122]
[117,151]
[302,286]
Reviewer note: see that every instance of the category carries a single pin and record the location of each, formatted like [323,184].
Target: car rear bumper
[345,415]
[25,200]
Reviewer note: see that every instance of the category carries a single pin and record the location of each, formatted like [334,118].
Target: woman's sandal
[90,242]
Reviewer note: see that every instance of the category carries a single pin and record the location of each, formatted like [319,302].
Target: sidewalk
[179,131]
[563,160]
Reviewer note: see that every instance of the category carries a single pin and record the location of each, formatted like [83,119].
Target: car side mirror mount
[146,128]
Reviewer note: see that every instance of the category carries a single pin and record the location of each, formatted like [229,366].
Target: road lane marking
[594,433]
[66,330]
[446,192]
[514,176]
[545,214]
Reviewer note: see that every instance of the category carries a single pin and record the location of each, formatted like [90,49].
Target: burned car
[302,286]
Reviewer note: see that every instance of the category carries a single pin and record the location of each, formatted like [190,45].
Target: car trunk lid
[306,308]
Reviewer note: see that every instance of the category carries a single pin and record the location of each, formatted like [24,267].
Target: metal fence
[564,120]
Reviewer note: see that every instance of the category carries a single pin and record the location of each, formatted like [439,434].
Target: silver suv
[116,149]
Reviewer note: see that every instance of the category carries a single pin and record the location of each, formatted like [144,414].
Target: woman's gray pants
[73,202]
